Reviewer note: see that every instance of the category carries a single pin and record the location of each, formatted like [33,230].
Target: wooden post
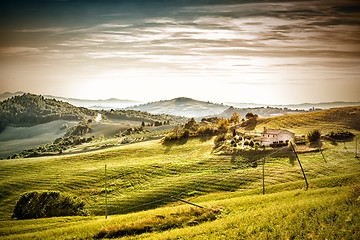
[105,195]
[356,148]
[263,173]
[307,185]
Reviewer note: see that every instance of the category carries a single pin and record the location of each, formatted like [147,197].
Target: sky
[245,51]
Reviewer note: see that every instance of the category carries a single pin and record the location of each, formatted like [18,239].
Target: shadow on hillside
[254,159]
[250,124]
[317,144]
[205,138]
[170,144]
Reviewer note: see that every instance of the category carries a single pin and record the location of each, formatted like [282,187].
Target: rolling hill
[29,110]
[344,118]
[181,107]
[144,177]
[30,120]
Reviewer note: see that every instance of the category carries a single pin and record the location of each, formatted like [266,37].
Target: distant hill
[7,95]
[181,107]
[107,104]
[301,106]
[29,110]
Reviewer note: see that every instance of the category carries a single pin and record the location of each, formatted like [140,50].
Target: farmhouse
[274,136]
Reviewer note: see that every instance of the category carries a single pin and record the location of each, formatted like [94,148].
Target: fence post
[307,185]
[105,195]
[263,175]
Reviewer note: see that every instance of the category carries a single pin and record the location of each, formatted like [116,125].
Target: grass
[15,139]
[143,176]
[329,209]
[156,223]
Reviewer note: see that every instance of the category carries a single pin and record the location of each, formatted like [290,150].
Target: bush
[207,130]
[170,136]
[48,204]
[314,135]
[185,134]
[341,135]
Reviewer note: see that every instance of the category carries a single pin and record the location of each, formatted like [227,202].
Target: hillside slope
[181,107]
[345,118]
[29,109]
[260,111]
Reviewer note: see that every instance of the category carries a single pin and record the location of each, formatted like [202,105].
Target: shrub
[207,130]
[314,135]
[341,135]
[223,126]
[170,136]
[48,204]
[185,134]
[78,130]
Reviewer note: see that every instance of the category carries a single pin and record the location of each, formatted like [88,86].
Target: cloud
[19,50]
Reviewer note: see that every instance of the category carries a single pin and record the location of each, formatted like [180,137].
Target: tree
[223,126]
[314,135]
[249,115]
[235,118]
[190,123]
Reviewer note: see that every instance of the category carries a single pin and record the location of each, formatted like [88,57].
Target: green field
[15,139]
[143,176]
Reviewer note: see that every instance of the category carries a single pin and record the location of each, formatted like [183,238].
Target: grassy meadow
[15,139]
[144,177]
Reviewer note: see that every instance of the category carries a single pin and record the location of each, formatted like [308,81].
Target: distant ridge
[188,107]
[300,106]
[107,104]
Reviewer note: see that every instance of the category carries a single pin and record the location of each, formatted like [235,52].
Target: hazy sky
[272,52]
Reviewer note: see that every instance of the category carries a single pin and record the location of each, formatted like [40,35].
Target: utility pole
[105,195]
[307,185]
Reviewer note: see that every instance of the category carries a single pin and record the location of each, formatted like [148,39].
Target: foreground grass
[144,175]
[329,209]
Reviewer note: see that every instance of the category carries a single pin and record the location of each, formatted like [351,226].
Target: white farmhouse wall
[270,136]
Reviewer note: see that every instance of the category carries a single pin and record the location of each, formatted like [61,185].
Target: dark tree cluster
[154,119]
[29,109]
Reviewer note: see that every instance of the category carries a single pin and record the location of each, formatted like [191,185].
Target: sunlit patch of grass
[177,219]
